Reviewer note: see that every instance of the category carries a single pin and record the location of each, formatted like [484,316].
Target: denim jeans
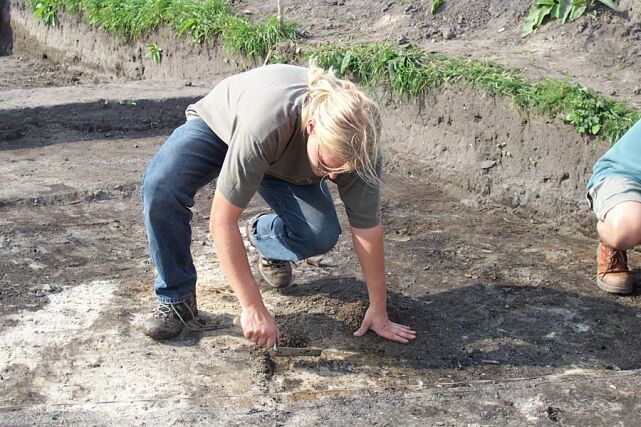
[303,223]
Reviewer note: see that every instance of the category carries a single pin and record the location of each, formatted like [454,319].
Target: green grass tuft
[412,73]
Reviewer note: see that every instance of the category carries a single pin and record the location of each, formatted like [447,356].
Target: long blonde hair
[347,122]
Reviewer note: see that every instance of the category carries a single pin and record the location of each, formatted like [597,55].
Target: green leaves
[563,10]
[413,73]
[609,3]
[539,11]
[436,5]
[154,52]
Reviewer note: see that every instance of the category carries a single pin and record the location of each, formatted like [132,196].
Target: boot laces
[165,310]
[617,261]
[275,264]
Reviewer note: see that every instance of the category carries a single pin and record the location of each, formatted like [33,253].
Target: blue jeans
[304,222]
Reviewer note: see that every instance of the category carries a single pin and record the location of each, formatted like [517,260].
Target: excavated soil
[490,258]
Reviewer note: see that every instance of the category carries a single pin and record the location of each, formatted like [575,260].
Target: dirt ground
[498,283]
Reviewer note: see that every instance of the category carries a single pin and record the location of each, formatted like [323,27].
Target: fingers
[360,331]
[364,328]
[263,339]
[396,332]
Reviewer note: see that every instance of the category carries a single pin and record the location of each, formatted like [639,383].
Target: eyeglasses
[321,166]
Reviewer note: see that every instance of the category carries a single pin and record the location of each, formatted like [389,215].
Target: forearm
[234,263]
[369,247]
[223,226]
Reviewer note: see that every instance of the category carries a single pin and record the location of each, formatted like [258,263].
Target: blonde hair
[347,123]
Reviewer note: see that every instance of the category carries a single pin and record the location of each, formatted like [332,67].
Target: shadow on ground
[474,325]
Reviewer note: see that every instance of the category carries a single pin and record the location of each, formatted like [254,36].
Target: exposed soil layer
[490,257]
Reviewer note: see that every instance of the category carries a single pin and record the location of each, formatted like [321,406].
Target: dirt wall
[492,150]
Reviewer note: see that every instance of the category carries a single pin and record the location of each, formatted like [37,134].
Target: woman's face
[321,161]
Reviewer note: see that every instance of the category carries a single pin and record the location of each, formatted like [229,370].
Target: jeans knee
[323,240]
[158,195]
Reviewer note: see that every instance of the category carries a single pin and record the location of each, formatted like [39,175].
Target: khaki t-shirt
[258,115]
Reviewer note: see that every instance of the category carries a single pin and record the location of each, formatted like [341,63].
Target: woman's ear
[310,126]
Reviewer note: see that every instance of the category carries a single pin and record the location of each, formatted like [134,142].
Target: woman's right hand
[259,326]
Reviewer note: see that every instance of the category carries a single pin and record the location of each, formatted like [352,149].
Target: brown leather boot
[167,320]
[612,273]
[276,273]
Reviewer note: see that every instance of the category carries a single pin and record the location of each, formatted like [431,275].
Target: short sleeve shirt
[257,113]
[623,159]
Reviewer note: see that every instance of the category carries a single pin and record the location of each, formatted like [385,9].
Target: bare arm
[369,246]
[257,323]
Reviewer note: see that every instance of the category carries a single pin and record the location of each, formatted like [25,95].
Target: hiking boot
[275,272]
[612,272]
[167,320]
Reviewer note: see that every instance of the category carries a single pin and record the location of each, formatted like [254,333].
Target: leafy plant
[154,52]
[128,103]
[436,5]
[46,10]
[502,146]
[562,10]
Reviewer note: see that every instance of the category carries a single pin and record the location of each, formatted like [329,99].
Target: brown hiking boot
[167,320]
[612,273]
[275,272]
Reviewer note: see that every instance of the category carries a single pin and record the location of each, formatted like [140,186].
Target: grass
[409,73]
[204,20]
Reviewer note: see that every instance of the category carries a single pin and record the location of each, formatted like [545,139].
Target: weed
[154,52]
[436,5]
[203,20]
[563,10]
[128,103]
[412,73]
[502,146]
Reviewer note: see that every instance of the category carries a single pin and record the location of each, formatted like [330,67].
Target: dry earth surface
[491,260]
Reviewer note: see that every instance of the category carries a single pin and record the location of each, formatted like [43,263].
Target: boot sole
[619,290]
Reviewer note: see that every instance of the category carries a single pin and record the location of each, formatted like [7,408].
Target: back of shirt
[623,159]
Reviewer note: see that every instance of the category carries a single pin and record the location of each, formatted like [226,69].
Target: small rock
[409,8]
[470,203]
[637,90]
[247,12]
[302,32]
[487,164]
[189,84]
[403,40]
[448,33]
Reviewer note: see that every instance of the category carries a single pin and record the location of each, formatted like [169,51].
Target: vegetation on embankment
[409,72]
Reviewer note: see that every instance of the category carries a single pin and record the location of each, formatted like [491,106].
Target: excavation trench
[490,258]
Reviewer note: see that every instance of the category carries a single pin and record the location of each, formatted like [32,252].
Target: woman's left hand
[377,321]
